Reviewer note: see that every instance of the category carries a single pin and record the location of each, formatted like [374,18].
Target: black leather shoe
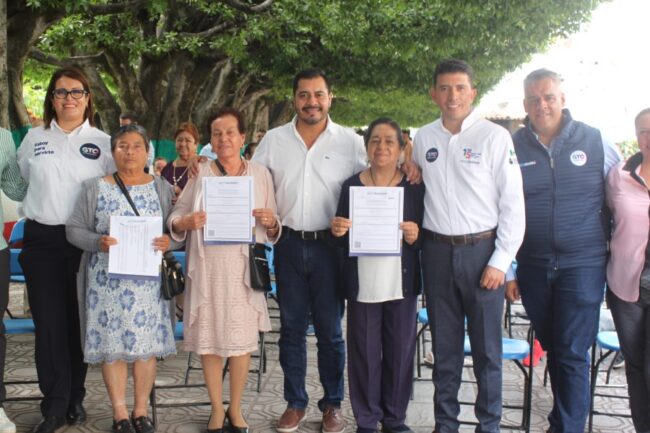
[76,414]
[122,426]
[233,428]
[215,430]
[143,424]
[49,424]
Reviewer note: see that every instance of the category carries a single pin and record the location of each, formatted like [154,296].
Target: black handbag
[173,280]
[257,261]
[259,268]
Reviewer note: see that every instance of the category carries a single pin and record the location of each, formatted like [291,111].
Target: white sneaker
[6,426]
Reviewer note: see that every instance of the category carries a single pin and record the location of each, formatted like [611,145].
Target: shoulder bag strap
[119,183]
[220,167]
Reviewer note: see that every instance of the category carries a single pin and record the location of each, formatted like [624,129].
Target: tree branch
[209,32]
[49,59]
[243,7]
[114,8]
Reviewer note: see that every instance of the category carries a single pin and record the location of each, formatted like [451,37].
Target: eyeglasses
[63,93]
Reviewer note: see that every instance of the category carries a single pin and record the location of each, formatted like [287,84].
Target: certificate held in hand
[229,207]
[134,256]
[376,213]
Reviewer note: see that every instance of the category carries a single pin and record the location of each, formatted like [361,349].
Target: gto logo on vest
[90,151]
[578,158]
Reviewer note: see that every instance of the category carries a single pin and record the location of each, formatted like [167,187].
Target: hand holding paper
[134,255]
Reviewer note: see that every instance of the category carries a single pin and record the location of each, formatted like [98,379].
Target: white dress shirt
[55,164]
[308,181]
[473,183]
[207,152]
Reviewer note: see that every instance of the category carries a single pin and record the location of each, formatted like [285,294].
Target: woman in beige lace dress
[223,315]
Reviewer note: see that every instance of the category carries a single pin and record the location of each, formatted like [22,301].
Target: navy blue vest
[565,197]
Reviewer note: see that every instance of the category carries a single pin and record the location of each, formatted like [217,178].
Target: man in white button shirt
[309,158]
[473,226]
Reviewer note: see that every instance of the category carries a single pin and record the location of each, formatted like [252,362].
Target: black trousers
[50,264]
[632,320]
[4,301]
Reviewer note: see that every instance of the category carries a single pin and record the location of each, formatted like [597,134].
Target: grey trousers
[451,276]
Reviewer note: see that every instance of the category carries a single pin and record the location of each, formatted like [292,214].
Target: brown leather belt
[468,239]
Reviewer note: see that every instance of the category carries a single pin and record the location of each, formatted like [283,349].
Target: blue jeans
[307,274]
[564,307]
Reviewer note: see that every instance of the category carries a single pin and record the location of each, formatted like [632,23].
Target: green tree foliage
[168,54]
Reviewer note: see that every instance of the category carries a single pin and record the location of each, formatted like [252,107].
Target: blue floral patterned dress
[126,320]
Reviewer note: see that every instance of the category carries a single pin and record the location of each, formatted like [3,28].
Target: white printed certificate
[134,257]
[229,206]
[376,213]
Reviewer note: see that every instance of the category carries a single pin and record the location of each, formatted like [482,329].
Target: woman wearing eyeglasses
[56,159]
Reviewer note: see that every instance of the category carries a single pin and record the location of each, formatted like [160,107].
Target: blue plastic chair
[608,342]
[17,232]
[16,274]
[513,350]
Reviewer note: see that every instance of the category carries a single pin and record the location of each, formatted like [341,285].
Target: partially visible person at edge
[176,172]
[382,294]
[561,264]
[249,151]
[129,118]
[259,135]
[309,158]
[13,185]
[56,159]
[628,269]
[140,322]
[473,225]
[223,315]
[158,164]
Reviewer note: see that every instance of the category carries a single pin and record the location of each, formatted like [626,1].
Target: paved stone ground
[263,408]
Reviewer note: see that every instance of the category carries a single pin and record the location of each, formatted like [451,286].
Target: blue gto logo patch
[432,154]
[90,151]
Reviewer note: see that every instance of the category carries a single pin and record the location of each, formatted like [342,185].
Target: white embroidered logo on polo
[578,158]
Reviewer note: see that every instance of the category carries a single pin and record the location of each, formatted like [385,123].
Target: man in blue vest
[561,263]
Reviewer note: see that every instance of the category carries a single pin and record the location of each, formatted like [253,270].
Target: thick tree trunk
[24,27]
[105,105]
[280,113]
[4,83]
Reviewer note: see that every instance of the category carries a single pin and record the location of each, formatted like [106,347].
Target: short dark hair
[642,113]
[542,74]
[452,66]
[126,129]
[309,74]
[384,121]
[249,148]
[76,74]
[129,115]
[227,111]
